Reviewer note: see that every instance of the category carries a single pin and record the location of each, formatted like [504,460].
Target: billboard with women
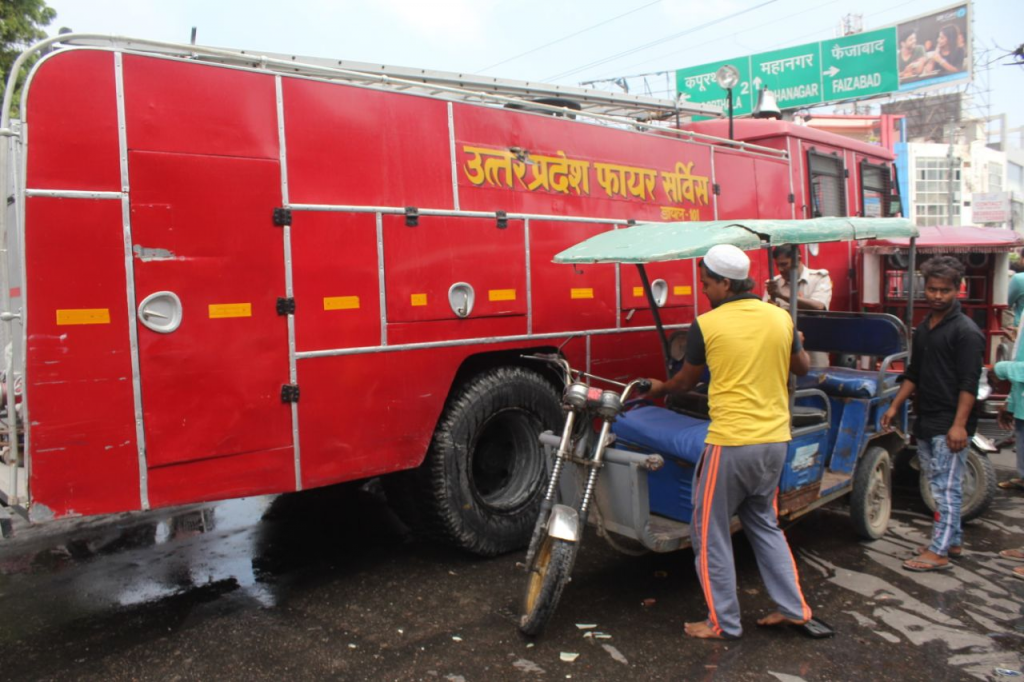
[934,49]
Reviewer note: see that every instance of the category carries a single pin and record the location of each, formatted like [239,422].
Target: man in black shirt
[944,370]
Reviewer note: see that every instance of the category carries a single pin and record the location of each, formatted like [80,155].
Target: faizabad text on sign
[506,169]
[870,47]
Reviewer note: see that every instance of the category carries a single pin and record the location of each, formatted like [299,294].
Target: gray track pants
[742,480]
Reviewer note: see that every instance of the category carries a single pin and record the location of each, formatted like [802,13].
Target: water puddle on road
[972,609]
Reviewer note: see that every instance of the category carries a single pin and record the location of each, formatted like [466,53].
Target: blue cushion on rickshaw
[846,383]
[664,432]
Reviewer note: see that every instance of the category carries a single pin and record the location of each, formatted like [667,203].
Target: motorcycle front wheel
[546,578]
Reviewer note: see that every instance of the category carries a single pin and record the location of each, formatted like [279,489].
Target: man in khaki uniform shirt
[814,288]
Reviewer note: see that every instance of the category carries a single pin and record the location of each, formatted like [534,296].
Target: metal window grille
[875,189]
[826,178]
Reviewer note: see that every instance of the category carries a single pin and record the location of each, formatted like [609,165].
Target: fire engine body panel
[237,281]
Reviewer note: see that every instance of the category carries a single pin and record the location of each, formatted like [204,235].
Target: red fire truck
[231,274]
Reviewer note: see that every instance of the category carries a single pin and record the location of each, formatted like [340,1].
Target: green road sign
[700,86]
[855,66]
[792,74]
[860,65]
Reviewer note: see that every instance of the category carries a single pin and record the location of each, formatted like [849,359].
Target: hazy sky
[488,36]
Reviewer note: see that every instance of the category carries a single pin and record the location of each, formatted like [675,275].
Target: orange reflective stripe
[806,610]
[710,478]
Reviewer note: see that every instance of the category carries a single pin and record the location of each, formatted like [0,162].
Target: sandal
[954,552]
[1011,484]
[1012,554]
[927,566]
[1018,572]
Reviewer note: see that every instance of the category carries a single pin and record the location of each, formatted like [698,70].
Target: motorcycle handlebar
[638,385]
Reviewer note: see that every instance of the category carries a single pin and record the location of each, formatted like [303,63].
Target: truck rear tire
[481,484]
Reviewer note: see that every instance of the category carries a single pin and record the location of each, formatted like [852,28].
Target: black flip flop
[816,628]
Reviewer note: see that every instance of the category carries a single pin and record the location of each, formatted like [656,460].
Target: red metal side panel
[678,275]
[446,330]
[335,277]
[422,263]
[772,189]
[801,182]
[358,421]
[567,297]
[625,357]
[212,388]
[79,373]
[72,119]
[572,169]
[260,473]
[351,404]
[836,258]
[353,146]
[190,108]
[739,196]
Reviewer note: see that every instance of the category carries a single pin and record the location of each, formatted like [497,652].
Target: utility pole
[950,158]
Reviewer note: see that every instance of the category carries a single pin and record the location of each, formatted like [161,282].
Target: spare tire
[483,478]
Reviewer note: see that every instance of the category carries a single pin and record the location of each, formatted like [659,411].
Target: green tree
[21,24]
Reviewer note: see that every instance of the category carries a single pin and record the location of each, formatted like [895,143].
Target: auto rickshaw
[633,477]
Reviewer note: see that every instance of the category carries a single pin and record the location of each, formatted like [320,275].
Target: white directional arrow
[757,82]
[832,70]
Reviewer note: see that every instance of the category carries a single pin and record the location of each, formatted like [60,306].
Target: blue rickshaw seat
[663,431]
[847,383]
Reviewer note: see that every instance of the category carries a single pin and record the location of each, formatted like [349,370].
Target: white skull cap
[728,261]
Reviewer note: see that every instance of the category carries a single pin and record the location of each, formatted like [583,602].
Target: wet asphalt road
[329,585]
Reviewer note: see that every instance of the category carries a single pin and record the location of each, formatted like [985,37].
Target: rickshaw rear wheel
[979,486]
[871,499]
[545,580]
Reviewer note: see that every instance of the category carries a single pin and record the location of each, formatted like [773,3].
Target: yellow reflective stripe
[223,310]
[341,302]
[83,316]
[581,293]
[501,295]
[682,291]
[638,292]
[418,300]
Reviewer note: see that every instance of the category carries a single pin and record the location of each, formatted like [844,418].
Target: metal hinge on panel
[716,188]
[412,216]
[285,306]
[631,222]
[502,219]
[846,172]
[792,198]
[282,216]
[290,393]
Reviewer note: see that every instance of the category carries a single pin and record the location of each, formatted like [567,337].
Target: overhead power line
[690,48]
[571,35]
[659,41]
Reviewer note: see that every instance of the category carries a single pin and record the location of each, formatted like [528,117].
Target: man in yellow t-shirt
[749,348]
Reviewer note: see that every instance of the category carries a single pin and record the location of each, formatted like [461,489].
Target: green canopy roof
[654,242]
